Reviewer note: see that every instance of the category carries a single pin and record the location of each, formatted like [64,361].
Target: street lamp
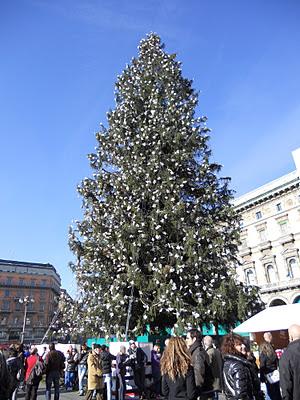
[26,300]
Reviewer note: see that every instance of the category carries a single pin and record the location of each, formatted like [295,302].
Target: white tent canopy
[271,319]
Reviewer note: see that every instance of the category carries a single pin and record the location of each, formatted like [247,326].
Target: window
[250,277]
[30,306]
[241,223]
[6,305]
[262,233]
[21,281]
[43,282]
[278,207]
[258,215]
[6,293]
[32,282]
[271,273]
[18,306]
[283,227]
[8,280]
[42,294]
[42,306]
[293,268]
[243,242]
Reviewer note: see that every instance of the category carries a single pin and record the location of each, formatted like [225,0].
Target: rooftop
[268,189]
[26,264]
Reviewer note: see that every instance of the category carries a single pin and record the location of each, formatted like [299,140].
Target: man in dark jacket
[4,377]
[200,363]
[289,366]
[138,360]
[216,364]
[15,366]
[54,364]
[106,359]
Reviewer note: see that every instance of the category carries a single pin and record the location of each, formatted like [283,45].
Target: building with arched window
[269,251]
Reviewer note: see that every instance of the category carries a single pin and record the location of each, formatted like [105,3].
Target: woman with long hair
[240,378]
[178,380]
[268,363]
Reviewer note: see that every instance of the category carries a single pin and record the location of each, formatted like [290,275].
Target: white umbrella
[271,319]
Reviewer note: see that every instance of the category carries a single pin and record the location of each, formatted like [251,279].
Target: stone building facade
[270,238]
[41,283]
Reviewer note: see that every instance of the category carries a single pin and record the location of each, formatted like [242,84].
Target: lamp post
[26,300]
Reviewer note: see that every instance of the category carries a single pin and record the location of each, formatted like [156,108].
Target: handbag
[273,377]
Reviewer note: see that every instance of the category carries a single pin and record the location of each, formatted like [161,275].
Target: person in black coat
[289,366]
[240,378]
[200,363]
[268,362]
[15,367]
[121,363]
[178,381]
[106,359]
[137,361]
[4,377]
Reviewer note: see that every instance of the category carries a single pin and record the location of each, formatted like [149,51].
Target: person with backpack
[138,361]
[15,368]
[54,365]
[200,363]
[34,368]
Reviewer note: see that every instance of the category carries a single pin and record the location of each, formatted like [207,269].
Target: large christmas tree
[159,234]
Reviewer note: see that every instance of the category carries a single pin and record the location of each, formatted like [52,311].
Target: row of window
[278,208]
[259,215]
[21,293]
[25,282]
[18,321]
[8,305]
[262,232]
[271,273]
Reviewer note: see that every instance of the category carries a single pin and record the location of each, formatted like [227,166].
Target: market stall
[273,319]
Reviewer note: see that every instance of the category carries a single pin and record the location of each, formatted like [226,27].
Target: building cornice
[270,190]
[26,264]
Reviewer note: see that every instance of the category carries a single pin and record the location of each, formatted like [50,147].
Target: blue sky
[59,62]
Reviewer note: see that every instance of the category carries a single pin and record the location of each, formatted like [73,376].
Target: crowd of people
[190,368]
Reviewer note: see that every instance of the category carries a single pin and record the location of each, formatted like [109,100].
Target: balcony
[278,286]
[265,245]
[5,310]
[16,284]
[245,251]
[286,238]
